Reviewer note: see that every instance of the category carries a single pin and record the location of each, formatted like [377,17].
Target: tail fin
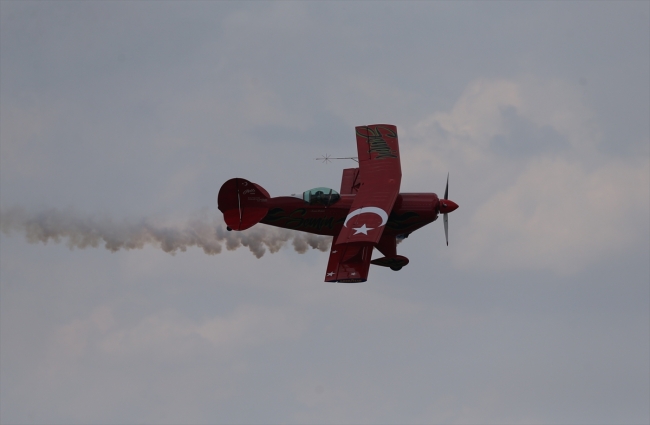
[242,203]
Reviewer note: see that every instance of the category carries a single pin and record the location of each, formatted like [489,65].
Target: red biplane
[367,213]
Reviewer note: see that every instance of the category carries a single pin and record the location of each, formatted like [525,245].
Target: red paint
[447,206]
[369,200]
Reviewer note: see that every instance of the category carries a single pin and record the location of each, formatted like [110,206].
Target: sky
[122,116]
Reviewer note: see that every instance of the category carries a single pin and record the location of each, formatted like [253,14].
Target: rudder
[242,203]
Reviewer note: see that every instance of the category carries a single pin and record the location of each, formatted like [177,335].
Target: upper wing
[378,180]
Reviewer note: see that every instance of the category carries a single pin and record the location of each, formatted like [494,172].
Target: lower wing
[349,262]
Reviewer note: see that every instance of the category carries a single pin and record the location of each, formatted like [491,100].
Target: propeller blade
[447,187]
[444,216]
[446,221]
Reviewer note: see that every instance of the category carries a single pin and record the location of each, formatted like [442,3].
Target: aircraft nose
[447,206]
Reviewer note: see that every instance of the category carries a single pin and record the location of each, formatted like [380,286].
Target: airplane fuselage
[410,212]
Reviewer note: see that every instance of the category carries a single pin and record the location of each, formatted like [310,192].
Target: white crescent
[374,210]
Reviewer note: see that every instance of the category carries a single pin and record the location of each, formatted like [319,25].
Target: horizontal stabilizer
[242,203]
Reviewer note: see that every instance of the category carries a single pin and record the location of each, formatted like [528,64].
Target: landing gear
[394,263]
[228,228]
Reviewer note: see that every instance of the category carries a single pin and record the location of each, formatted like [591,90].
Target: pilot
[318,198]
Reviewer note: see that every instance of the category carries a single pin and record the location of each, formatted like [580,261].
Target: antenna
[328,158]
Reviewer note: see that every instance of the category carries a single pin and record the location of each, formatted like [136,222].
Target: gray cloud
[537,312]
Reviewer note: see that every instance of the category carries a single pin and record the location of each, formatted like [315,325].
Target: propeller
[444,217]
[447,206]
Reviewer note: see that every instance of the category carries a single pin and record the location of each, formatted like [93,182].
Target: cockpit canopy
[321,196]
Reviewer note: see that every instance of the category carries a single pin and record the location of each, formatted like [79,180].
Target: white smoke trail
[204,231]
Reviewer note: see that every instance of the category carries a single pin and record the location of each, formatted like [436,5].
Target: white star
[334,252]
[363,229]
[330,274]
[353,273]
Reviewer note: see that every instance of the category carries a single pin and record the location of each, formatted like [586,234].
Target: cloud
[485,110]
[22,128]
[190,369]
[131,109]
[169,332]
[535,188]
[558,216]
